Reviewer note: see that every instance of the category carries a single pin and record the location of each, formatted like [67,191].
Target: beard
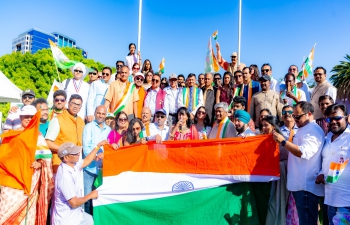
[240,130]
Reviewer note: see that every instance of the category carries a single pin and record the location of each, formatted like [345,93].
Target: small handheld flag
[306,68]
[215,35]
[161,66]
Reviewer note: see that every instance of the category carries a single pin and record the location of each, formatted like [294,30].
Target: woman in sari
[202,123]
[117,136]
[184,128]
[276,213]
[133,133]
[16,207]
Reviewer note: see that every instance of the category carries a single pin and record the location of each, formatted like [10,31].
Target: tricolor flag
[306,68]
[161,66]
[54,87]
[61,60]
[208,66]
[215,35]
[335,170]
[187,182]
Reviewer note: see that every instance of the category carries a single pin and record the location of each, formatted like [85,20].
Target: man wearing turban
[241,120]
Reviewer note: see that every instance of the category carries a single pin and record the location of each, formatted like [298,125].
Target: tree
[38,71]
[341,78]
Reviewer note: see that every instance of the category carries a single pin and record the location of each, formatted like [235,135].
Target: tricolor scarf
[129,90]
[295,93]
[186,97]
[237,91]
[250,93]
[335,170]
[222,126]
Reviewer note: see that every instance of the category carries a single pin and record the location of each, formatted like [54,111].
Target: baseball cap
[110,115]
[139,74]
[173,76]
[265,77]
[161,111]
[234,54]
[28,92]
[28,110]
[67,149]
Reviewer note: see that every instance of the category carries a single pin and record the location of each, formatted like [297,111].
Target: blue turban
[242,116]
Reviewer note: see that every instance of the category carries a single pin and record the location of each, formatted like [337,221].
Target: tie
[291,135]
[190,103]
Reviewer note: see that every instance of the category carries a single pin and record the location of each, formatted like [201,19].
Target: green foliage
[38,71]
[341,78]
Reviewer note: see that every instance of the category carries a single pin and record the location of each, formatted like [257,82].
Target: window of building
[18,47]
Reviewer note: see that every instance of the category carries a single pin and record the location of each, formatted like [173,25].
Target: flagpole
[139,33]
[239,31]
[59,78]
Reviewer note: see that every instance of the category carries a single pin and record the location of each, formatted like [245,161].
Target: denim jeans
[332,211]
[89,179]
[307,207]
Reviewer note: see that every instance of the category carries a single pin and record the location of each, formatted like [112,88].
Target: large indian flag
[61,60]
[188,182]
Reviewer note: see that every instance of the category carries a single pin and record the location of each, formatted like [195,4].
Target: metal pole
[139,33]
[239,32]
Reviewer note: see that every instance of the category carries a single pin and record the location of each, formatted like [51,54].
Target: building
[34,39]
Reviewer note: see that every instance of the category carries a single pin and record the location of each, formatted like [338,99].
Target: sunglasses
[217,78]
[78,71]
[336,118]
[318,74]
[238,76]
[136,68]
[27,97]
[156,81]
[267,70]
[160,116]
[60,100]
[122,119]
[299,116]
[119,65]
[139,78]
[105,74]
[136,128]
[92,73]
[284,112]
[201,112]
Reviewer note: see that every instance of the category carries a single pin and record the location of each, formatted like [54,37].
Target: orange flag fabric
[17,153]
[251,156]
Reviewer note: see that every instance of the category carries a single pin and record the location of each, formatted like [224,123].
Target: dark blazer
[210,102]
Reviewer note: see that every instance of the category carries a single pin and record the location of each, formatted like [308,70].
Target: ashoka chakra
[182,186]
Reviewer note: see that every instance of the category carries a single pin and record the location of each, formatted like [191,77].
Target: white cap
[28,110]
[138,74]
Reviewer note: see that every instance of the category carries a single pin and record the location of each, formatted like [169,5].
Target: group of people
[131,107]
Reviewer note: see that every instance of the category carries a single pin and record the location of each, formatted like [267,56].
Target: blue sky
[278,32]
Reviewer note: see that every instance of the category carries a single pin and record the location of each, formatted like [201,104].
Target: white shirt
[302,172]
[150,100]
[200,101]
[299,93]
[337,194]
[154,130]
[274,85]
[172,100]
[67,186]
[96,96]
[248,132]
[83,92]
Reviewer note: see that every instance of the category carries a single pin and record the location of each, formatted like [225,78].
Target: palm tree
[341,78]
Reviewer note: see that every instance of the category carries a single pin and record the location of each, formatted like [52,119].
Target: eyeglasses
[266,70]
[318,74]
[105,74]
[160,116]
[92,73]
[27,97]
[156,81]
[139,78]
[284,112]
[122,119]
[299,116]
[78,71]
[336,118]
[75,104]
[217,78]
[136,128]
[60,100]
[119,65]
[201,112]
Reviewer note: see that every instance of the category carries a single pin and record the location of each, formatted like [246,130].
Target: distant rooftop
[36,29]
[53,33]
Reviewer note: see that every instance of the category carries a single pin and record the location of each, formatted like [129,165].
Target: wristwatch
[283,143]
